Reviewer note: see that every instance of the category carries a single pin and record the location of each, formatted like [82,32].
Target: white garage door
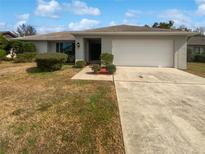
[143,52]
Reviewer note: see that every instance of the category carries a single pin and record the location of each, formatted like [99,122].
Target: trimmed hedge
[17,45]
[107,62]
[2,54]
[111,68]
[199,58]
[50,61]
[3,42]
[25,57]
[96,68]
[106,58]
[29,47]
[190,57]
[196,58]
[80,64]
[20,46]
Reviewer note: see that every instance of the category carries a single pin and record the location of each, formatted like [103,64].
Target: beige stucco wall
[80,54]
[180,47]
[41,46]
[80,51]
[45,46]
[180,57]
[106,44]
[51,46]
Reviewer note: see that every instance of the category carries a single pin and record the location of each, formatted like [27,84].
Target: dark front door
[94,49]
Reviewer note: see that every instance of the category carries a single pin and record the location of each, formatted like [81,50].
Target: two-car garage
[143,52]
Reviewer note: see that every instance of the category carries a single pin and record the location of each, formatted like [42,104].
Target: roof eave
[27,39]
[196,44]
[138,33]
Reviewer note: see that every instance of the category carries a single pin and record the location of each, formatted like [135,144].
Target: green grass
[197,69]
[50,113]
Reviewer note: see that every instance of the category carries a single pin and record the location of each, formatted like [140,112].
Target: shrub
[29,47]
[25,57]
[20,46]
[106,58]
[3,42]
[111,68]
[191,57]
[96,68]
[17,45]
[2,54]
[50,61]
[80,64]
[71,59]
[200,58]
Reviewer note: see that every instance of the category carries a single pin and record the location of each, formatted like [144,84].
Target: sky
[66,15]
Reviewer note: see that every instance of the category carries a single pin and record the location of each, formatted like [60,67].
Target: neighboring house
[196,45]
[130,45]
[8,35]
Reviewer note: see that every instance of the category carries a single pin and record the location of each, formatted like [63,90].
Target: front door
[94,50]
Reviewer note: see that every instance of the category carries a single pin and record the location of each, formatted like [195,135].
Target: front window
[67,48]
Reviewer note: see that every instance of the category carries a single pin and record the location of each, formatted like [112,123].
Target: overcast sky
[63,15]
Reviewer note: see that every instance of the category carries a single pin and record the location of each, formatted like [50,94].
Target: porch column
[79,49]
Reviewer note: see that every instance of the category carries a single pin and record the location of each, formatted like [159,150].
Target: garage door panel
[143,52]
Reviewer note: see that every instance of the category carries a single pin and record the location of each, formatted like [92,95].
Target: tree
[155,25]
[164,25]
[146,26]
[3,42]
[200,30]
[17,45]
[26,30]
[184,28]
[28,47]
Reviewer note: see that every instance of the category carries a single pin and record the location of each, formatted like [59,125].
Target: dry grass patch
[197,69]
[49,113]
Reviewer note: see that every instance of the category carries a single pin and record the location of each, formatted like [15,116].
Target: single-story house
[196,44]
[130,45]
[8,35]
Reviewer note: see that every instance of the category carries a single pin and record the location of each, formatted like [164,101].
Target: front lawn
[50,113]
[197,69]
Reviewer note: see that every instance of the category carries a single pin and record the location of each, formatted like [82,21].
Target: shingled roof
[133,30]
[49,37]
[116,30]
[130,28]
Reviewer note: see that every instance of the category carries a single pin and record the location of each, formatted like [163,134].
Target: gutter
[198,34]
[138,33]
[26,39]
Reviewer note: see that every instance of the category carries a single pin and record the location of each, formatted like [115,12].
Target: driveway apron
[162,110]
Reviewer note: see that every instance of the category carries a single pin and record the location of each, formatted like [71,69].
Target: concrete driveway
[162,110]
